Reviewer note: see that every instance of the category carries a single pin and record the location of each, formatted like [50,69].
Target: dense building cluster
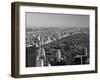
[41,58]
[41,38]
[61,47]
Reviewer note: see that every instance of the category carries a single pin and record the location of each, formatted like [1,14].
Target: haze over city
[55,20]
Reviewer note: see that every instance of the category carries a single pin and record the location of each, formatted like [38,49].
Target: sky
[55,20]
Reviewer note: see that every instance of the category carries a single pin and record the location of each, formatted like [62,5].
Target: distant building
[82,59]
[58,54]
[58,60]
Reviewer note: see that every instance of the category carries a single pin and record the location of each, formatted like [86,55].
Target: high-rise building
[41,57]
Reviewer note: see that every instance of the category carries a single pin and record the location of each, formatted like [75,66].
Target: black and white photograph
[54,39]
